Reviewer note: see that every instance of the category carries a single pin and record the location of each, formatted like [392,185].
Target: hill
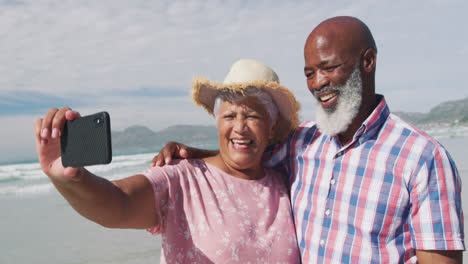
[136,139]
[449,113]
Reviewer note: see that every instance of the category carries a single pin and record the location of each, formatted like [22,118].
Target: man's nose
[320,80]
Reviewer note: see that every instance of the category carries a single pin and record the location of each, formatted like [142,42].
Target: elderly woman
[222,209]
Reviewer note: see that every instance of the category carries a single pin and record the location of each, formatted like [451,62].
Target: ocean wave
[26,190]
[32,171]
[117,165]
[10,179]
[25,171]
[29,179]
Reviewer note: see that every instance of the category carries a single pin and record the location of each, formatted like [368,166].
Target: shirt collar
[370,126]
[374,121]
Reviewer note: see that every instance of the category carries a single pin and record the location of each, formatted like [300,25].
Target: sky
[136,59]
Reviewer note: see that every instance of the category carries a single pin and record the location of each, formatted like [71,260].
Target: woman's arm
[127,203]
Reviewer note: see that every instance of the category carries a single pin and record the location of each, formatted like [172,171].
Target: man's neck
[364,112]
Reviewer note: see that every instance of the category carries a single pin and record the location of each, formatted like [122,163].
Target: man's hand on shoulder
[440,256]
[172,150]
[175,150]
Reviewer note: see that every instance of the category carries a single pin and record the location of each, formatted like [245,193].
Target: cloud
[58,47]
[137,58]
[26,102]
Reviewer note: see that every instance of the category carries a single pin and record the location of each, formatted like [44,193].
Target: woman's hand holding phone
[47,131]
[65,142]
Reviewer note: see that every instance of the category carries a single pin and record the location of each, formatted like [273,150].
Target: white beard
[334,121]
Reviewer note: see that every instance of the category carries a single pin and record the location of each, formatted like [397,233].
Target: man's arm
[174,150]
[440,256]
[128,203]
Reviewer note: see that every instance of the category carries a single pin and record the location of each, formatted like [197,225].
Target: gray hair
[232,96]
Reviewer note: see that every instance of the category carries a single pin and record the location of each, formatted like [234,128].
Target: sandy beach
[45,229]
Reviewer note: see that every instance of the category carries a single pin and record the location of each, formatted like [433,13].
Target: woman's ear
[273,128]
[369,60]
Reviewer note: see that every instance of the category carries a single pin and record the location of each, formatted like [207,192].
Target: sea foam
[28,178]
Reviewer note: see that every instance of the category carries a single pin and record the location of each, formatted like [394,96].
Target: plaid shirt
[391,190]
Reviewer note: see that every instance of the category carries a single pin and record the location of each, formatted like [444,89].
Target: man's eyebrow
[321,64]
[324,62]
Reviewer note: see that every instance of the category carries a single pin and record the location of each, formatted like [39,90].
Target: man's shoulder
[414,146]
[304,128]
[407,129]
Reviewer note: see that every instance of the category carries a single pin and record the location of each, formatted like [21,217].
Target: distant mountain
[445,114]
[136,139]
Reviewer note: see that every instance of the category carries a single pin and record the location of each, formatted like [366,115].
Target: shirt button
[322,243]
[332,182]
[327,212]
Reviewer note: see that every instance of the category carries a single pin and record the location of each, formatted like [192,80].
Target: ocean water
[38,226]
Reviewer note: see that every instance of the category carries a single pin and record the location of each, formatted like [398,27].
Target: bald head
[347,31]
[342,43]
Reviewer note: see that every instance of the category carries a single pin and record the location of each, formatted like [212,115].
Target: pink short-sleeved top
[209,216]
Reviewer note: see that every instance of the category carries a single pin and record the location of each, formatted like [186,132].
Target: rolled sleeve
[436,217]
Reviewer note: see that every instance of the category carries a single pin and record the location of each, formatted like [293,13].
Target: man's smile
[327,98]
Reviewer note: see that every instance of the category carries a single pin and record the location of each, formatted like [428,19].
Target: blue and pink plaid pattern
[392,190]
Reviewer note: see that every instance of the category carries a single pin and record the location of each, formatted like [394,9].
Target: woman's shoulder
[182,163]
[177,167]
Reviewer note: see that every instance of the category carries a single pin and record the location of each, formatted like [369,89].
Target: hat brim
[204,93]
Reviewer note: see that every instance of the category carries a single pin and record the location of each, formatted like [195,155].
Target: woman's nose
[240,124]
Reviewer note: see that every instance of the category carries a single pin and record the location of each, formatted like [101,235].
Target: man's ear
[369,60]
[274,127]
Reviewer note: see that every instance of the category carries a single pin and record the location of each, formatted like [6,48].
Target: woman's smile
[241,144]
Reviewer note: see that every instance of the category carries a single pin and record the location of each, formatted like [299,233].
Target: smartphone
[86,141]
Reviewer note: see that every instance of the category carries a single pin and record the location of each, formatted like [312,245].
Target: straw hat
[246,73]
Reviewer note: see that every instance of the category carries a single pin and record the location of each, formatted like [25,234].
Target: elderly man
[365,186]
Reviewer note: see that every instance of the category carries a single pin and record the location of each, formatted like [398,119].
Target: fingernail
[55,133]
[166,161]
[44,133]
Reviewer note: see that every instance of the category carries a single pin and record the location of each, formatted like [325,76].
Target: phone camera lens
[98,121]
